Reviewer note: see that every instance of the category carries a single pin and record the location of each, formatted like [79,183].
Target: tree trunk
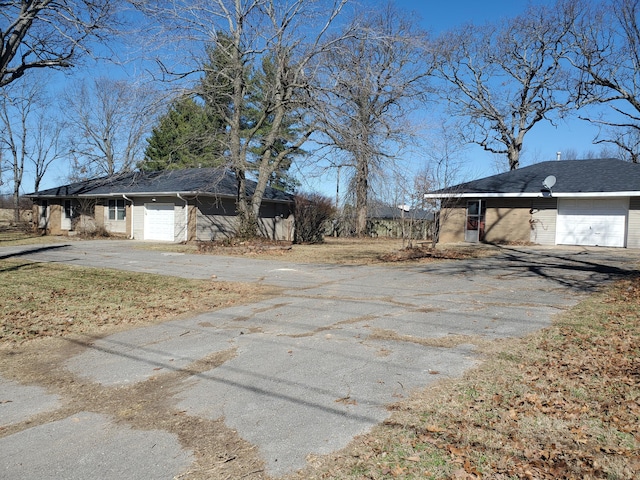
[362,189]
[247,221]
[514,157]
[16,205]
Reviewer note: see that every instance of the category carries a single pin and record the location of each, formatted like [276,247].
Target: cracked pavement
[293,376]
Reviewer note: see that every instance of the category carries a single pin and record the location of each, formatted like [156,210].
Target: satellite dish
[549,182]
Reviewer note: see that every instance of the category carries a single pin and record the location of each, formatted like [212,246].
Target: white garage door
[159,222]
[595,222]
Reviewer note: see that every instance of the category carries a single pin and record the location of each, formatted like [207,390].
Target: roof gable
[207,181]
[572,177]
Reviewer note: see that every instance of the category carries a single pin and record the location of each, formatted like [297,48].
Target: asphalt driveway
[293,376]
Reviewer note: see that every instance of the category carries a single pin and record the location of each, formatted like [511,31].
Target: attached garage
[589,203]
[159,222]
[592,222]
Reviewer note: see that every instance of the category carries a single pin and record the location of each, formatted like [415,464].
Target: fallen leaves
[43,300]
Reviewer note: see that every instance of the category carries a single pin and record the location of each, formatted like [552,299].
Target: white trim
[532,195]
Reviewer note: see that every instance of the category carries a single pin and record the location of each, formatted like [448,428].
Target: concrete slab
[137,355]
[89,445]
[21,402]
[296,396]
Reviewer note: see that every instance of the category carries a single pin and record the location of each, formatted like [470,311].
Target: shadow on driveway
[29,251]
[580,270]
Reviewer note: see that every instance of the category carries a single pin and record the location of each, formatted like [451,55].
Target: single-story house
[563,202]
[171,205]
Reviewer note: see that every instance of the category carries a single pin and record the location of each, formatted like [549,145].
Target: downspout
[186,217]
[130,200]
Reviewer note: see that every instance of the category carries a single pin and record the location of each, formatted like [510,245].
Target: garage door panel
[159,222]
[592,222]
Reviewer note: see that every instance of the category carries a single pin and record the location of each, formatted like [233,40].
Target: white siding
[543,221]
[180,226]
[138,220]
[633,229]
[214,227]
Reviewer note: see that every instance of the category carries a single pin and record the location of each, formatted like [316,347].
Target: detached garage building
[167,206]
[568,202]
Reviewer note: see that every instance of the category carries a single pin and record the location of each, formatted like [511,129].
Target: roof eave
[531,194]
[148,194]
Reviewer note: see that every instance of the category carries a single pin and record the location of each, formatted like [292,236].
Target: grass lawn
[48,299]
[12,236]
[561,403]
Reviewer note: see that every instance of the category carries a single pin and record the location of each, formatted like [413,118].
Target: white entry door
[592,222]
[159,222]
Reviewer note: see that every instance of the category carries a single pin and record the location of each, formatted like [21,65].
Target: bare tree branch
[505,78]
[107,123]
[606,50]
[372,78]
[17,106]
[37,34]
[273,39]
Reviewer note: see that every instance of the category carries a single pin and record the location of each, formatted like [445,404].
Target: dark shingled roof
[387,212]
[572,176]
[209,181]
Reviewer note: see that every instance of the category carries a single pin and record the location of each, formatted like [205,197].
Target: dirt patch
[450,341]
[244,248]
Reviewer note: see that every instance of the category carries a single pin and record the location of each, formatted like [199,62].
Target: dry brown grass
[11,235]
[45,299]
[340,251]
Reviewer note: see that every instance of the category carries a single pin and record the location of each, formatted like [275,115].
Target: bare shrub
[312,212]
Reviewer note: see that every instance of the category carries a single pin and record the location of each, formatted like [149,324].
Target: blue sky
[541,143]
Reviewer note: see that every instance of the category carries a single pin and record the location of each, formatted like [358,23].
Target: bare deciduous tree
[47,145]
[36,34]
[506,77]
[606,42]
[17,105]
[277,38]
[445,148]
[372,79]
[107,121]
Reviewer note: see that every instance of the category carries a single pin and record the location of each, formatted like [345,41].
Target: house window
[117,210]
[68,209]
